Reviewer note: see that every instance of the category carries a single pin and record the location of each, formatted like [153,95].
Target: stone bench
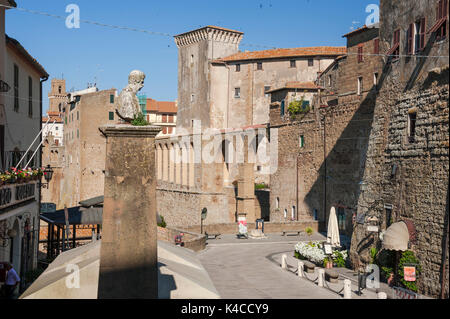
[212,236]
[291,233]
[309,266]
[331,275]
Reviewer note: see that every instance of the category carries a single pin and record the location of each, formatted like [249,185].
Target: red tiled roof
[363,28]
[154,106]
[297,85]
[285,53]
[53,118]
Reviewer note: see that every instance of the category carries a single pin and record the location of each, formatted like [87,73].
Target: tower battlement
[214,33]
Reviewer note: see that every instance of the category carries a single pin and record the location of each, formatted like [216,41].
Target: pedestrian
[12,280]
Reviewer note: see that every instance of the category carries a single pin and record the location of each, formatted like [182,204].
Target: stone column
[246,192]
[128,258]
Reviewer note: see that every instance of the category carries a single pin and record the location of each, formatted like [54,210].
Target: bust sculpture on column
[129,108]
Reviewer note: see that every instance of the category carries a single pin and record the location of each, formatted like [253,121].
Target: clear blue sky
[108,55]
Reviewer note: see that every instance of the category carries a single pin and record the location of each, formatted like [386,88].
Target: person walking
[12,280]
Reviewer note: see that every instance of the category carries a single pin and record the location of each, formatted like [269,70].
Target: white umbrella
[333,229]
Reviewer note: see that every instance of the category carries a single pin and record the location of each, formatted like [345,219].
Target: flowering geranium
[13,174]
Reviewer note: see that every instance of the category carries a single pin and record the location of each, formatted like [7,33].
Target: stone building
[20,123]
[406,170]
[163,114]
[222,97]
[79,161]
[53,125]
[322,149]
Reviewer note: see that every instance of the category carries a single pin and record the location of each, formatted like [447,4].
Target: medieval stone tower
[196,50]
[57,95]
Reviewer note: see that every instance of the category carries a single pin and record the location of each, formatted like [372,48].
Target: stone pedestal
[246,192]
[128,258]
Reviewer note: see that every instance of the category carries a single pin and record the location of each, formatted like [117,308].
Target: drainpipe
[45,78]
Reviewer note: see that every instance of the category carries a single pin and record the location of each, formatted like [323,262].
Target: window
[59,89]
[30,97]
[57,128]
[412,116]
[293,65]
[329,80]
[341,218]
[360,85]
[441,17]
[111,98]
[282,108]
[285,213]
[111,116]
[310,62]
[302,141]
[192,58]
[78,133]
[278,202]
[360,54]
[375,80]
[410,36]
[192,97]
[376,46]
[238,68]
[16,88]
[388,211]
[266,89]
[293,213]
[396,51]
[419,38]
[237,93]
[259,66]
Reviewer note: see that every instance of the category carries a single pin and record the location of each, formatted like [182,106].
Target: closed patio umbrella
[333,229]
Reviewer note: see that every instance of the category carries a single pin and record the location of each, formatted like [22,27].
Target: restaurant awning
[77,216]
[396,237]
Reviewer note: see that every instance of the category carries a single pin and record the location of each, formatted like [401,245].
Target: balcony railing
[10,159]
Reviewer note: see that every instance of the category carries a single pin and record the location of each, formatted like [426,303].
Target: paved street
[250,269]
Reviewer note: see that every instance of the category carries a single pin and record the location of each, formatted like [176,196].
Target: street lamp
[48,174]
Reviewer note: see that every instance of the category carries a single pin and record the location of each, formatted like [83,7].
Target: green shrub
[162,223]
[298,107]
[140,120]
[261,186]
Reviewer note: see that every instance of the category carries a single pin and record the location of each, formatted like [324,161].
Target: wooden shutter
[422,34]
[410,38]
[360,54]
[376,46]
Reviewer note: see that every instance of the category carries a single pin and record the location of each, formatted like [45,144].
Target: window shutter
[360,52]
[376,46]
[410,38]
[422,34]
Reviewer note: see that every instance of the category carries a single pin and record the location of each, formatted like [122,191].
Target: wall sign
[409,273]
[15,194]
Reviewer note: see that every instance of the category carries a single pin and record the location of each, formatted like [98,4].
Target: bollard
[300,268]
[283,261]
[382,295]
[321,277]
[347,289]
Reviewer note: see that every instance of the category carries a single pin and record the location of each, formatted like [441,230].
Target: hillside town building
[225,92]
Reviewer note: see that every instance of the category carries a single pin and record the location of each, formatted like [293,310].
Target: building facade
[223,92]
[406,171]
[21,109]
[163,114]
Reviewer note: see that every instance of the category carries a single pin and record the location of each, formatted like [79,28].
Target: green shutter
[111,116]
[111,98]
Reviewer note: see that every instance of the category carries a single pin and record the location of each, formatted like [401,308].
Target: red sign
[409,273]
